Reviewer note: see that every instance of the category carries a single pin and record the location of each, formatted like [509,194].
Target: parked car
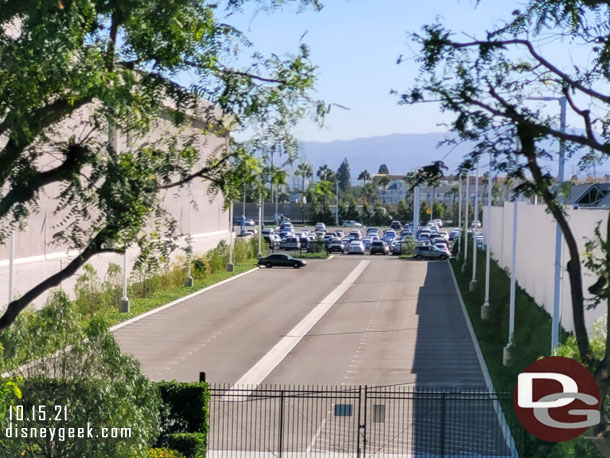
[395,248]
[453,234]
[371,230]
[273,240]
[379,247]
[351,224]
[290,243]
[367,242]
[389,233]
[242,220]
[356,235]
[286,226]
[396,225]
[320,227]
[340,234]
[281,260]
[430,252]
[286,233]
[356,247]
[336,245]
[438,222]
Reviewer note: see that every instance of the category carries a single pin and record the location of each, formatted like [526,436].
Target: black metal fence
[360,421]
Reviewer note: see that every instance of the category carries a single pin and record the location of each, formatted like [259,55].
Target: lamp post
[260,227]
[513,280]
[467,201]
[337,209]
[415,211]
[459,201]
[475,217]
[189,250]
[487,229]
[124,302]
[558,234]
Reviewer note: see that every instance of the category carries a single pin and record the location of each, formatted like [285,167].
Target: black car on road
[281,260]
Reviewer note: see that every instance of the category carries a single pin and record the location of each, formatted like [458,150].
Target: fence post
[366,391]
[281,422]
[359,423]
[442,428]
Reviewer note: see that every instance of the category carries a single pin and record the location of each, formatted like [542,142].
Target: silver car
[356,247]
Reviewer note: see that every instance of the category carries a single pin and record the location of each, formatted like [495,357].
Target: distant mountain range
[401,152]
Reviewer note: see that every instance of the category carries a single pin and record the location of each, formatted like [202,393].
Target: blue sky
[356,44]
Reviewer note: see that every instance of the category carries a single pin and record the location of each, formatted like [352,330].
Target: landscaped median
[531,341]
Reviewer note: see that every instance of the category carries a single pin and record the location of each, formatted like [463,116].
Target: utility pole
[487,231]
[475,219]
[466,223]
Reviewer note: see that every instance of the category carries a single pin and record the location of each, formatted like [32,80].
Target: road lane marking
[281,349]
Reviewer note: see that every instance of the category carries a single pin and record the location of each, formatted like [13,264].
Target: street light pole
[558,234]
[337,209]
[459,201]
[260,227]
[124,302]
[513,280]
[487,229]
[465,257]
[558,237]
[189,278]
[230,267]
[415,211]
[475,217]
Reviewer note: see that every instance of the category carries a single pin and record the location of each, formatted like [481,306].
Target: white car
[352,224]
[320,227]
[356,247]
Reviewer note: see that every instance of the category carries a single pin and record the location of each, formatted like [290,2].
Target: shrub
[186,408]
[88,375]
[192,445]
[163,453]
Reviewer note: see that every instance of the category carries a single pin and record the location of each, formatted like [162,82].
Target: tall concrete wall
[37,256]
[536,252]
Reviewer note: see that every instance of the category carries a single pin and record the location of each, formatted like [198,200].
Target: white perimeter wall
[536,252]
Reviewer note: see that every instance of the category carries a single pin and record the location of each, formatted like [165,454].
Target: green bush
[186,408]
[88,375]
[192,445]
[163,453]
[316,246]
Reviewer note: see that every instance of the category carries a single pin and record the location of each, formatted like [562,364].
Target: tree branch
[94,247]
[199,174]
[526,136]
[564,76]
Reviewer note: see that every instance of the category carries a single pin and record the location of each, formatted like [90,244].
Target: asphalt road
[398,322]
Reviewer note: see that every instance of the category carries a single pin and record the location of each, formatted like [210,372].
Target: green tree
[305,171]
[365,176]
[82,369]
[116,61]
[366,213]
[383,170]
[403,212]
[384,182]
[324,173]
[487,82]
[344,176]
[369,192]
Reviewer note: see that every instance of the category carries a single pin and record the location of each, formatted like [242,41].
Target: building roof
[589,195]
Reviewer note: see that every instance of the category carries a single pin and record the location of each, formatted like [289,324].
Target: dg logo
[557,399]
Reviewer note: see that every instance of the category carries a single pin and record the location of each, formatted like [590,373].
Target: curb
[178,301]
[506,432]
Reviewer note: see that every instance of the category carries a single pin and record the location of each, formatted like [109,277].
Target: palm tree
[384,182]
[325,173]
[368,191]
[364,176]
[305,171]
